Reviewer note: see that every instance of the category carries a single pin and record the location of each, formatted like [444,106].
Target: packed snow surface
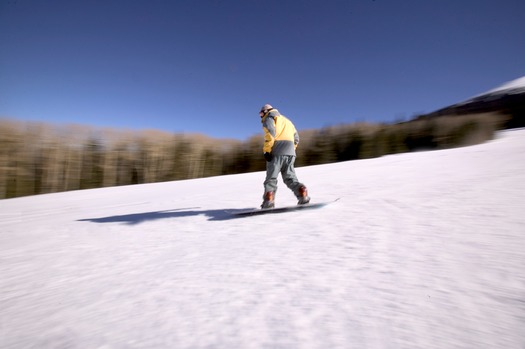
[423,250]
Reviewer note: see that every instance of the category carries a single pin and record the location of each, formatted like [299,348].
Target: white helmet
[266,107]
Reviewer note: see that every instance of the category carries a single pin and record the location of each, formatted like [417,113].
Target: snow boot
[303,196]
[268,200]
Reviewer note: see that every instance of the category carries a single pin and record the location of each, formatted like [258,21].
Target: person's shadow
[136,218]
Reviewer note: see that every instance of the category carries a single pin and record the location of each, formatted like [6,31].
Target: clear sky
[208,66]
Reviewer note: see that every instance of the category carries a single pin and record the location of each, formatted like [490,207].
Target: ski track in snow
[424,250]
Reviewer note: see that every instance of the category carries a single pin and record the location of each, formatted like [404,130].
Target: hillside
[424,250]
[508,99]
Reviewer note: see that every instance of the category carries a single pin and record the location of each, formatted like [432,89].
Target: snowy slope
[424,250]
[507,99]
[514,85]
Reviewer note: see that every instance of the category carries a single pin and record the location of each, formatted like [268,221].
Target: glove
[268,156]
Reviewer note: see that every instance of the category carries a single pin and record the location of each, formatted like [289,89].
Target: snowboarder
[280,141]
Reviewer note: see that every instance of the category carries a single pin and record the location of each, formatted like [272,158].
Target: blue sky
[208,66]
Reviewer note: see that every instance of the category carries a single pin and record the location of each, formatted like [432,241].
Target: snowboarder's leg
[273,168]
[291,181]
[302,196]
[268,200]
[272,172]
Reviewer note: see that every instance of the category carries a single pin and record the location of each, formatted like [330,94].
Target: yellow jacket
[280,135]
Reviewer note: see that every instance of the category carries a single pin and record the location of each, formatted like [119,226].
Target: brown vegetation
[38,158]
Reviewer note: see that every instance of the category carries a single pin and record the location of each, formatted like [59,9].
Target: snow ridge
[518,84]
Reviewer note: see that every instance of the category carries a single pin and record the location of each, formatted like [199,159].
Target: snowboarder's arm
[269,135]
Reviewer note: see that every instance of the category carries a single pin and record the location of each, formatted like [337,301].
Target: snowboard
[261,211]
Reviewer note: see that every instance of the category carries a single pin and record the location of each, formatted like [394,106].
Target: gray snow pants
[283,164]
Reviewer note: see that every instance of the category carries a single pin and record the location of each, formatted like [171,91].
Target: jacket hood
[271,113]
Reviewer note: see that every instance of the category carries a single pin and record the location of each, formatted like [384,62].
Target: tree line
[39,158]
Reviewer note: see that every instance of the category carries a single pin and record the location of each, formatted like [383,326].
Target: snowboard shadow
[137,218]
